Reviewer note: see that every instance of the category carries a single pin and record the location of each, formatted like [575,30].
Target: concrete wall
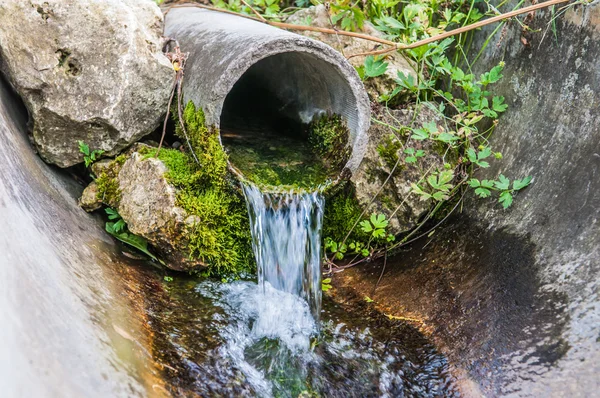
[512,296]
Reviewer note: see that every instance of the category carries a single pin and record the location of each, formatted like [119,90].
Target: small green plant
[373,67]
[326,284]
[484,188]
[89,157]
[376,236]
[117,227]
[168,278]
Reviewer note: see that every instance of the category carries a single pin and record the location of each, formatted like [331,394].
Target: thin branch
[393,45]
[463,29]
[164,131]
[254,11]
[382,272]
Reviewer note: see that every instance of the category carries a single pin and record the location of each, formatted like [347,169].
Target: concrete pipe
[249,76]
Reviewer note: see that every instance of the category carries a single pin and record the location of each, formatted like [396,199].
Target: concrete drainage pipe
[248,76]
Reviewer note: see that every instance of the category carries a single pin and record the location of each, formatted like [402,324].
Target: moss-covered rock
[185,205]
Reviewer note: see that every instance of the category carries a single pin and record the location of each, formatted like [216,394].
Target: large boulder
[86,70]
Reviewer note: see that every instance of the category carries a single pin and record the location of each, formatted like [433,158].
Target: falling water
[261,340]
[286,239]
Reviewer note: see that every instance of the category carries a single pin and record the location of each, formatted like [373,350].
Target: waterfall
[286,239]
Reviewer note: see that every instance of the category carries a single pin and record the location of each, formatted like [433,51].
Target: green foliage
[117,227]
[388,150]
[375,236]
[269,9]
[341,213]
[375,67]
[326,284]
[438,187]
[89,157]
[484,188]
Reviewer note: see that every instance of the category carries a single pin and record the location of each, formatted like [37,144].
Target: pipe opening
[269,118]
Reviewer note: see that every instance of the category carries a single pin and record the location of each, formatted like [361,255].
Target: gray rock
[149,207]
[86,70]
[317,16]
[100,166]
[89,198]
[400,207]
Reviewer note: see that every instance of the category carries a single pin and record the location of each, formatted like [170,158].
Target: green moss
[329,137]
[341,212]
[220,237]
[279,163]
[108,184]
[388,150]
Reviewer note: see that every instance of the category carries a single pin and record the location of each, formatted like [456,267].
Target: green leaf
[446,176]
[112,213]
[379,221]
[366,226]
[506,199]
[374,68]
[440,195]
[132,240]
[520,184]
[474,183]
[119,226]
[393,23]
[84,148]
[410,159]
[503,183]
[447,137]
[482,192]
[498,104]
[472,155]
[364,252]
[368,299]
[419,134]
[485,153]
[458,74]
[487,184]
[379,233]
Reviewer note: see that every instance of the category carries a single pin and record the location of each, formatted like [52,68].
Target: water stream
[274,338]
[286,239]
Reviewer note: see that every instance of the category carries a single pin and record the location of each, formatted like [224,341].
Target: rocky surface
[401,208]
[89,198]
[318,16]
[86,70]
[147,202]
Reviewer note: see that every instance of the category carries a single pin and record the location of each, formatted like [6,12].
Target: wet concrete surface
[477,293]
[70,311]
